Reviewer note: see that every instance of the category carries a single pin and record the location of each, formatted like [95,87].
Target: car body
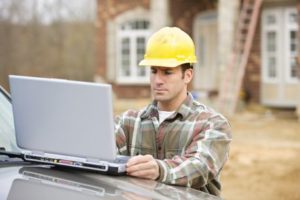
[24,180]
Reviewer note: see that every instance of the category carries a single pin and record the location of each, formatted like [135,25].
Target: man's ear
[188,75]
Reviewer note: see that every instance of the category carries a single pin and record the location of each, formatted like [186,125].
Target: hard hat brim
[163,62]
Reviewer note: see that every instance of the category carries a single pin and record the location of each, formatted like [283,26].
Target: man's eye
[153,71]
[167,72]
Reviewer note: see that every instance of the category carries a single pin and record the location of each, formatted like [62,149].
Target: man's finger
[139,167]
[138,159]
[149,174]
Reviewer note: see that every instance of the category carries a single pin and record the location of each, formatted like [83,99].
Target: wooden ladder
[231,80]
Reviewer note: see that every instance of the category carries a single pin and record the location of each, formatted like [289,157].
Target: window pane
[293,18]
[135,25]
[293,39]
[140,51]
[146,24]
[271,41]
[271,19]
[294,67]
[272,67]
[125,57]
[293,53]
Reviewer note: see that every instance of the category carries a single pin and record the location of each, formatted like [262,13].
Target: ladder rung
[248,7]
[244,30]
[242,40]
[245,15]
[239,50]
[247,20]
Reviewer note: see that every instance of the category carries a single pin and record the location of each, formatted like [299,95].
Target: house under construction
[245,48]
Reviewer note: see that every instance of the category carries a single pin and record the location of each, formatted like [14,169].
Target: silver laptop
[66,123]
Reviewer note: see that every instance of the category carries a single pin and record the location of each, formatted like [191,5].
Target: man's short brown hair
[186,66]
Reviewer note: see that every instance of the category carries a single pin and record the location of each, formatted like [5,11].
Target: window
[131,41]
[271,52]
[270,45]
[280,45]
[291,33]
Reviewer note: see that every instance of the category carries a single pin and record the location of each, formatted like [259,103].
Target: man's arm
[124,128]
[201,161]
[204,157]
[121,135]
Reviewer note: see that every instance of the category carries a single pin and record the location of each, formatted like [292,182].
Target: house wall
[108,10]
[181,13]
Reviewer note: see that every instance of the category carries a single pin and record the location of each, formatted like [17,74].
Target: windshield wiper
[11,154]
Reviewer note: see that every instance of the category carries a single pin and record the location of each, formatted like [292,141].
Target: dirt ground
[264,159]
[264,163]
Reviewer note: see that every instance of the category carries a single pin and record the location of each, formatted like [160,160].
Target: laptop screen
[63,117]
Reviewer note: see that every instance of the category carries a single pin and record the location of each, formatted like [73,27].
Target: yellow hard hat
[169,47]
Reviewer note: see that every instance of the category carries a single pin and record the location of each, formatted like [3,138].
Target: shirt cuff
[162,171]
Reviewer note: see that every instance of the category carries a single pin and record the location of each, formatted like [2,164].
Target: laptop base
[110,168]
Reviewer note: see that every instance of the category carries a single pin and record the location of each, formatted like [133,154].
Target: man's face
[167,84]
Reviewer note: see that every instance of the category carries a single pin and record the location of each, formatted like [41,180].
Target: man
[175,140]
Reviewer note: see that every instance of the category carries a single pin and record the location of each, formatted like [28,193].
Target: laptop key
[122,159]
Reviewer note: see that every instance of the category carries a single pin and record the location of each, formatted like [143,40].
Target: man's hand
[143,167]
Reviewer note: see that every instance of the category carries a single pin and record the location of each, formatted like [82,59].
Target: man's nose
[158,79]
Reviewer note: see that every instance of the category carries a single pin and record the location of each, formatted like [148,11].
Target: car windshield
[7,136]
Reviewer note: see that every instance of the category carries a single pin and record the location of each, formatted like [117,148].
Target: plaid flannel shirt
[191,146]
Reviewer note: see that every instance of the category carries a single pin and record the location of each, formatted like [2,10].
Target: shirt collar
[183,110]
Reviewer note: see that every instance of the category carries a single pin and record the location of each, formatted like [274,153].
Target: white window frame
[282,28]
[290,27]
[132,35]
[112,47]
[277,54]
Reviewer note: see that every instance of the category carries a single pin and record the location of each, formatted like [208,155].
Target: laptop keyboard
[121,159]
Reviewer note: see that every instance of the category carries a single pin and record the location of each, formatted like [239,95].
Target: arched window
[131,43]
